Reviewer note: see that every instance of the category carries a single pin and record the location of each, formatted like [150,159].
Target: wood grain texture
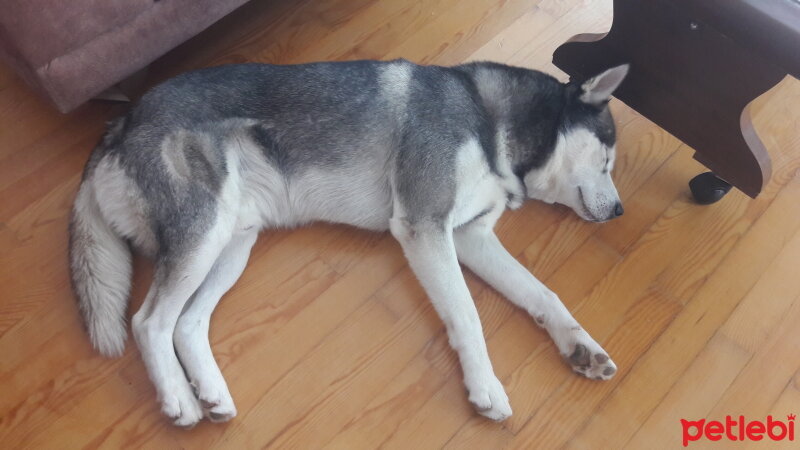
[327,340]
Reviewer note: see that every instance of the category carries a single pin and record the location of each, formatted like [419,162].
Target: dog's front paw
[591,361]
[182,407]
[489,398]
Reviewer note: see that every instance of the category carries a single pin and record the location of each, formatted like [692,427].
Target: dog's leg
[191,332]
[480,250]
[154,324]
[430,251]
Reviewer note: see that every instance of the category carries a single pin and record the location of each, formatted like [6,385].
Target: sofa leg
[708,188]
[127,89]
[113,94]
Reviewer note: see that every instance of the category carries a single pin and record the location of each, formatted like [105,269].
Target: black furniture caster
[707,188]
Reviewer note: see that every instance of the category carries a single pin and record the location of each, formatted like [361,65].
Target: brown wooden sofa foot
[708,188]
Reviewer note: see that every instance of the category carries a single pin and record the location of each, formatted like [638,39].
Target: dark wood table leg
[686,77]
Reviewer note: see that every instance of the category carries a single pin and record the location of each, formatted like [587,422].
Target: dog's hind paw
[490,399]
[591,363]
[217,403]
[182,407]
[220,412]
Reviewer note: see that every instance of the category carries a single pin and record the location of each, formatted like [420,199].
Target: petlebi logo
[738,429]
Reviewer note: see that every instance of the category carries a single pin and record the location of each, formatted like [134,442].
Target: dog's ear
[597,90]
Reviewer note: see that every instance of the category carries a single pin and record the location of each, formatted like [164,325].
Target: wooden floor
[327,340]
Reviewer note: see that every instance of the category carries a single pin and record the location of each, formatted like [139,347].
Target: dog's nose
[618,210]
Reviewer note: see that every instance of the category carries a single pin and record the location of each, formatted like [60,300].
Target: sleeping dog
[208,159]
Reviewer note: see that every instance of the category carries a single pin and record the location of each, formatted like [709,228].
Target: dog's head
[578,173]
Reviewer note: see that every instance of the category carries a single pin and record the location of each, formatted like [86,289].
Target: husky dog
[434,154]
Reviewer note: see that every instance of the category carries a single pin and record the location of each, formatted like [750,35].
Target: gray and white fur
[434,154]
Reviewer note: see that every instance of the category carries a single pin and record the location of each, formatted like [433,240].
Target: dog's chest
[479,192]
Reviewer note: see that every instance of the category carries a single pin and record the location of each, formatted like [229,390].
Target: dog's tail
[100,262]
